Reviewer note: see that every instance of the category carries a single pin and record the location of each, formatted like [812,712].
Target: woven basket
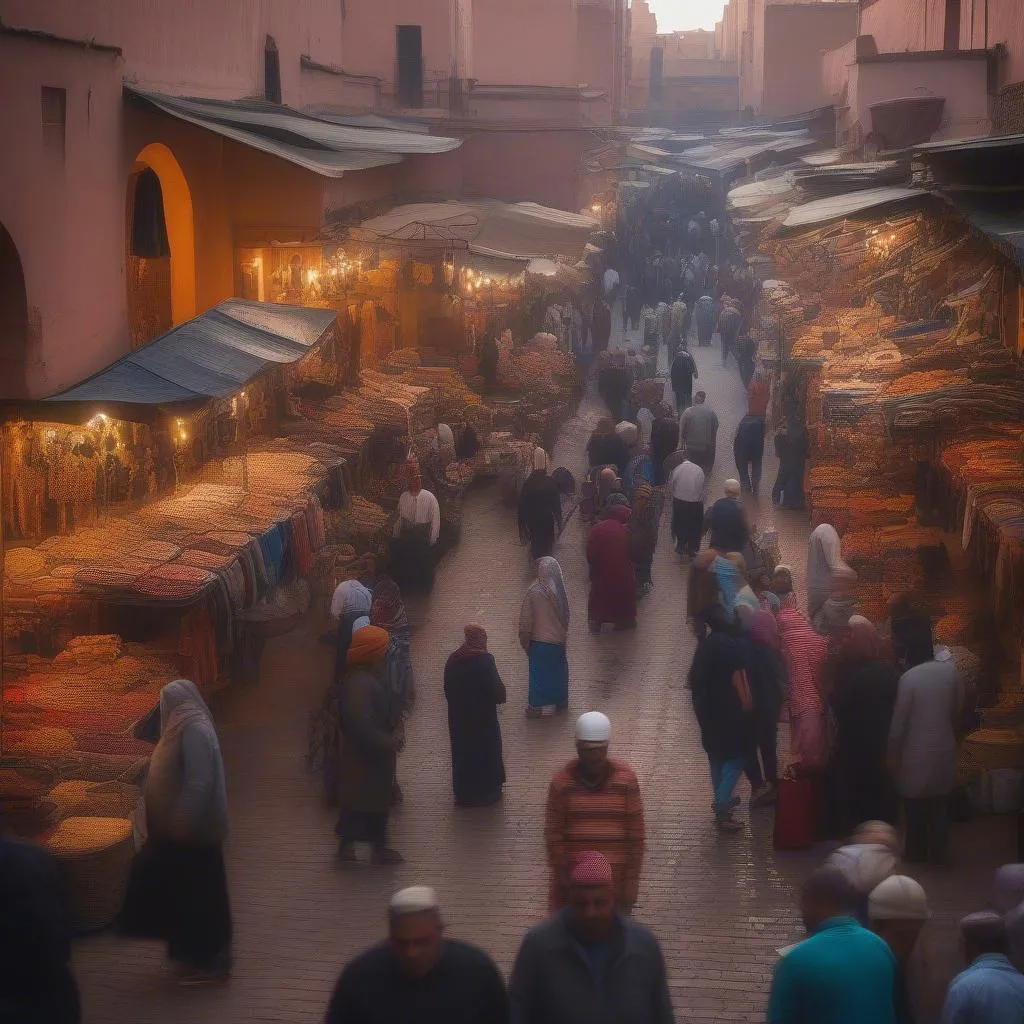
[95,879]
[996,748]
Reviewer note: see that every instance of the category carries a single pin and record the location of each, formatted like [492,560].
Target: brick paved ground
[721,904]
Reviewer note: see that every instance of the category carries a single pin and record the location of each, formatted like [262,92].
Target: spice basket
[94,857]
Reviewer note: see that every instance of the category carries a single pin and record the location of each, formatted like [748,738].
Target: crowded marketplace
[504,599]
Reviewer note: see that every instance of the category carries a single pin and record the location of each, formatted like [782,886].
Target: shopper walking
[898,911]
[698,433]
[590,962]
[726,521]
[612,581]
[704,315]
[178,888]
[539,511]
[804,652]
[730,320]
[419,975]
[686,486]
[748,451]
[643,537]
[594,803]
[683,373]
[991,989]
[824,559]
[721,703]
[417,527]
[842,973]
[922,747]
[769,686]
[372,737]
[474,691]
[543,632]
[863,697]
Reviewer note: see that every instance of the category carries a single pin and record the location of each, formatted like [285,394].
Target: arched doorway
[14,335]
[161,260]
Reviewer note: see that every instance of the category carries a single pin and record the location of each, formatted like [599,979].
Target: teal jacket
[842,974]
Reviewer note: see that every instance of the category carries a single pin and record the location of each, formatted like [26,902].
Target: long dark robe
[612,580]
[863,699]
[37,985]
[539,512]
[474,690]
[724,730]
[179,892]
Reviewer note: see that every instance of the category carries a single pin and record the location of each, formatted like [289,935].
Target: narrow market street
[720,904]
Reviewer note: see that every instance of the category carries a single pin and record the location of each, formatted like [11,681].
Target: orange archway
[14,334]
[181,232]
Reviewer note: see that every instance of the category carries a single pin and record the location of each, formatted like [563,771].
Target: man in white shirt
[415,534]
[686,485]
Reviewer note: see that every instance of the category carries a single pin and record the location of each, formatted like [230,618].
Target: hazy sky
[674,15]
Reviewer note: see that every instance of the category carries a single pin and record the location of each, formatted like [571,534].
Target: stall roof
[820,211]
[1001,219]
[211,356]
[726,154]
[969,145]
[326,147]
[755,192]
[488,227]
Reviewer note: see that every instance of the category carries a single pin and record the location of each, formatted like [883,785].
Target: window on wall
[54,118]
[409,46]
[271,71]
[951,35]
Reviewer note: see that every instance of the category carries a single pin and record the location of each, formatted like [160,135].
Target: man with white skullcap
[417,974]
[590,962]
[897,912]
[594,803]
[991,989]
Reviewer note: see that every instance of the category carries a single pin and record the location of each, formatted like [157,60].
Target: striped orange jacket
[609,819]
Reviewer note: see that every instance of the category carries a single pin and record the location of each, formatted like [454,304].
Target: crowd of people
[873,719]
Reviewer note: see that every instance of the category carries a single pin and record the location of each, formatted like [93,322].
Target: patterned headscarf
[388,610]
[552,586]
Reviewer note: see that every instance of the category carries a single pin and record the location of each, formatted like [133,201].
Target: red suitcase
[796,813]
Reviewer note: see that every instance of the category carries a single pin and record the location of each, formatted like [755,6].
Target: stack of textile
[402,359]
[448,394]
[388,401]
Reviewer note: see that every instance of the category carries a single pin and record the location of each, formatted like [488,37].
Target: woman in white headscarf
[178,887]
[539,511]
[824,559]
[543,632]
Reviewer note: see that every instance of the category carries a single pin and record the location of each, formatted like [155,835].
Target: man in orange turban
[372,737]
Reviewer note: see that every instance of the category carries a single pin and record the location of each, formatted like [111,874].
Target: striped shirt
[804,652]
[609,819]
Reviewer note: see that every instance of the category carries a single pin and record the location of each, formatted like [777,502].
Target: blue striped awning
[211,356]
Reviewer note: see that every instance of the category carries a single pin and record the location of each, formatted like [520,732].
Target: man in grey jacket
[590,963]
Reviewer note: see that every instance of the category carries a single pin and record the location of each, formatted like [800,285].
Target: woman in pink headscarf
[612,581]
[804,652]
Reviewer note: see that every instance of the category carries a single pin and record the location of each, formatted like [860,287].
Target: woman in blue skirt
[543,631]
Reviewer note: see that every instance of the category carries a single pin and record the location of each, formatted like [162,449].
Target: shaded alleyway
[721,904]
